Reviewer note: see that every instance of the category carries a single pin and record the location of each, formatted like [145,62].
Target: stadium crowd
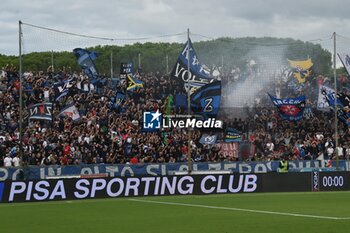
[105,134]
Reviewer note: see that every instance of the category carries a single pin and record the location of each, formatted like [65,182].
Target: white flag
[70,111]
[322,103]
[345,59]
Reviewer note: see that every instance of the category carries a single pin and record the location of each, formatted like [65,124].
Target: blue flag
[291,109]
[118,100]
[343,106]
[199,75]
[133,83]
[205,101]
[208,139]
[181,101]
[62,88]
[85,60]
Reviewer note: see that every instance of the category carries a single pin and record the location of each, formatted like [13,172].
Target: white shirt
[15,161]
[8,162]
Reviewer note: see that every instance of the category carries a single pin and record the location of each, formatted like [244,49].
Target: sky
[298,19]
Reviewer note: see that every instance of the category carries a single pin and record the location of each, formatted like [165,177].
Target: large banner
[291,109]
[117,170]
[229,149]
[90,188]
[42,111]
[75,189]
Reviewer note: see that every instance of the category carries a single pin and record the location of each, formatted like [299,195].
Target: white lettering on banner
[79,186]
[230,166]
[188,186]
[112,170]
[41,187]
[132,184]
[163,167]
[250,183]
[156,187]
[5,174]
[29,191]
[214,166]
[16,188]
[97,184]
[150,167]
[86,171]
[42,173]
[110,193]
[58,191]
[220,189]
[171,187]
[51,171]
[260,168]
[244,168]
[125,170]
[231,189]
[147,181]
[203,184]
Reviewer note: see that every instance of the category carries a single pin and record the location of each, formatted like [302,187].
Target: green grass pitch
[323,212]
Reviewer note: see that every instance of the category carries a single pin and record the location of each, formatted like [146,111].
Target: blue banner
[291,109]
[85,59]
[34,172]
[1,190]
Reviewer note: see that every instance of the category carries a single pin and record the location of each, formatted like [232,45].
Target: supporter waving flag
[85,59]
[291,109]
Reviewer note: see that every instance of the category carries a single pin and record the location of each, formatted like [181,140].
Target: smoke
[249,85]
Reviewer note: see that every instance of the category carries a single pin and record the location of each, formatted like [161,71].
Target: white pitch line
[240,209]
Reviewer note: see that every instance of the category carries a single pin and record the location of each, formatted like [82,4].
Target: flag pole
[188,103]
[111,58]
[52,65]
[139,60]
[167,63]
[20,93]
[336,99]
